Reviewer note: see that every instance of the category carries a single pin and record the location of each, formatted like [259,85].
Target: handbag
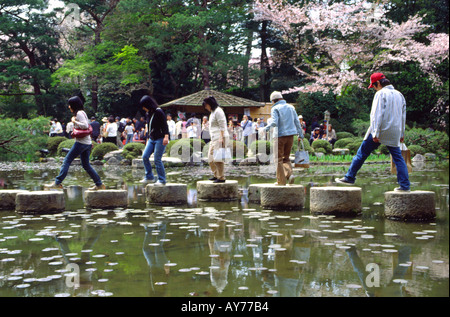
[406,153]
[81,133]
[301,156]
[222,155]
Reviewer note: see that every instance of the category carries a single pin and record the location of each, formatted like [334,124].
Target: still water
[233,249]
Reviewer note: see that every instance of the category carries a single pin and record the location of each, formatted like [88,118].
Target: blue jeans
[366,148]
[129,138]
[82,150]
[156,147]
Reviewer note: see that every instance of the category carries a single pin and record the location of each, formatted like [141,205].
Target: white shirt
[388,116]
[217,123]
[58,128]
[69,127]
[112,130]
[172,129]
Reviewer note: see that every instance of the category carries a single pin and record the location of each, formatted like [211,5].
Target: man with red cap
[387,126]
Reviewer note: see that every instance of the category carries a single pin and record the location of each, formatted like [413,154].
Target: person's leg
[286,156]
[84,156]
[281,176]
[159,165]
[402,169]
[148,151]
[212,164]
[363,153]
[73,153]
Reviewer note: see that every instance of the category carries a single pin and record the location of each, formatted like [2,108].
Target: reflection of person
[285,118]
[387,126]
[82,147]
[158,138]
[219,137]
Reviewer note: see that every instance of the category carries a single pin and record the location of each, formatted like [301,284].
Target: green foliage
[21,139]
[133,150]
[416,149]
[296,146]
[261,146]
[360,127]
[342,143]
[344,135]
[99,151]
[383,149]
[436,142]
[354,146]
[68,143]
[239,149]
[184,148]
[53,143]
[322,144]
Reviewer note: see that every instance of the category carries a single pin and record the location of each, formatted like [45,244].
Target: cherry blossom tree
[338,45]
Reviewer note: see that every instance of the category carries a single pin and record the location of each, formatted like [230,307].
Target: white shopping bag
[222,155]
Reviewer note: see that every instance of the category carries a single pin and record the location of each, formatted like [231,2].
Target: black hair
[149,103]
[129,122]
[384,82]
[76,104]
[211,101]
[111,119]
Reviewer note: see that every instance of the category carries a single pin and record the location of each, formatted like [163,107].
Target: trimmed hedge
[64,144]
[322,144]
[260,145]
[133,150]
[53,143]
[99,151]
[342,143]
[344,135]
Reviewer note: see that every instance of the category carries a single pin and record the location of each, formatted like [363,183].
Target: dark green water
[232,249]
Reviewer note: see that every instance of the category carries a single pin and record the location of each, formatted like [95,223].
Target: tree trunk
[248,54]
[264,90]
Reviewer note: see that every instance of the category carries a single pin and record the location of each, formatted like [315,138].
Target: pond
[228,249]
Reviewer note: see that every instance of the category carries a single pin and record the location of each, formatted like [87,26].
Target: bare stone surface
[210,191]
[40,202]
[289,197]
[169,194]
[108,198]
[338,201]
[413,206]
[254,192]
[8,198]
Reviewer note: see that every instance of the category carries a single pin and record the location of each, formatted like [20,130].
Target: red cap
[375,77]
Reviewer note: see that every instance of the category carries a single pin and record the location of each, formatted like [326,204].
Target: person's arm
[81,120]
[164,126]
[377,116]
[402,138]
[274,121]
[297,124]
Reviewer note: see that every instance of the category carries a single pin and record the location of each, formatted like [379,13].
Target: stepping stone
[108,198]
[254,193]
[289,197]
[169,194]
[416,205]
[338,201]
[40,202]
[8,198]
[210,191]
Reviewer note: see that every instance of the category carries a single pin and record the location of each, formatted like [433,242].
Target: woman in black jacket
[158,138]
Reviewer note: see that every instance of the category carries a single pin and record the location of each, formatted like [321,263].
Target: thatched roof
[224,100]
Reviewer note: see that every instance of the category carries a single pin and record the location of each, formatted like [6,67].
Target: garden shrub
[261,146]
[239,149]
[53,143]
[354,146]
[99,151]
[383,149]
[416,149]
[344,135]
[133,150]
[342,143]
[64,144]
[436,142]
[323,144]
[182,148]
[305,143]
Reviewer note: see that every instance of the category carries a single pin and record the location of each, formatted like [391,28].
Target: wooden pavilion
[234,107]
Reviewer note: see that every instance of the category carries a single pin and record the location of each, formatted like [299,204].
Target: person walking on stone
[387,126]
[285,118]
[82,147]
[219,137]
[158,138]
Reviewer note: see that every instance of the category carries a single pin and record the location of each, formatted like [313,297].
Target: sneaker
[344,181]
[278,184]
[401,190]
[291,179]
[53,186]
[147,181]
[159,183]
[219,181]
[213,178]
[95,187]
